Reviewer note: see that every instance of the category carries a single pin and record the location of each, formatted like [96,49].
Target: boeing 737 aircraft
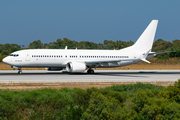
[81,60]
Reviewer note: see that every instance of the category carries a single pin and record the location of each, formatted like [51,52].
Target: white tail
[145,41]
[144,44]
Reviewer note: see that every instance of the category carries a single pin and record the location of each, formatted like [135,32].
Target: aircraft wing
[107,62]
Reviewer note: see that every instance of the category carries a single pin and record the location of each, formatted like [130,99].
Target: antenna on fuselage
[66,48]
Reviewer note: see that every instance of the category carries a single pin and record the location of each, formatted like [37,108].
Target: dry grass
[82,85]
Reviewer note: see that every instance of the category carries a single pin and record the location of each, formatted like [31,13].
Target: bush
[5,52]
[14,49]
[2,57]
[137,101]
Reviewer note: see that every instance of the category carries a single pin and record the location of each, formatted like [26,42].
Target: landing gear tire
[90,71]
[19,72]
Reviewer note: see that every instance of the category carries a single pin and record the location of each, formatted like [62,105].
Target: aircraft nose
[5,60]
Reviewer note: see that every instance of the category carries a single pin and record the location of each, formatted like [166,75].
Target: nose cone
[5,60]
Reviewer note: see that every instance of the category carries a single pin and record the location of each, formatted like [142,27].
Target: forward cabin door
[27,56]
[134,54]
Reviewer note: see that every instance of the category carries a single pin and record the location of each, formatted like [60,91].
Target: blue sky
[23,21]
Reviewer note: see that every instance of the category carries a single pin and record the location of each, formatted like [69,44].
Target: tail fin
[145,41]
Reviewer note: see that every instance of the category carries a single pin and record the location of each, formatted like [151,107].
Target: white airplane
[81,60]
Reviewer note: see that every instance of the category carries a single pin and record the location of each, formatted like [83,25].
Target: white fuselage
[60,57]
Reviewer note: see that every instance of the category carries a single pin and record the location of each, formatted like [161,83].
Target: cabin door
[134,54]
[27,56]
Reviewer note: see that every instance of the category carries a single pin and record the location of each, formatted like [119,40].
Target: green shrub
[138,101]
[2,57]
[5,52]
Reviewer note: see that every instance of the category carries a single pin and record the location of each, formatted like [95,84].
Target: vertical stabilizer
[145,41]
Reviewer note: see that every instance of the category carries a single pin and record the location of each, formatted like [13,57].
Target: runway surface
[42,76]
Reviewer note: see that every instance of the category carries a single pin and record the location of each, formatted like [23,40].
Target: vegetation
[138,101]
[7,48]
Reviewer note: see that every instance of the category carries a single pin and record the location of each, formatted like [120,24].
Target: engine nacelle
[53,69]
[75,67]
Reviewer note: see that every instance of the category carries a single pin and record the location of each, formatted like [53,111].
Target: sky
[23,21]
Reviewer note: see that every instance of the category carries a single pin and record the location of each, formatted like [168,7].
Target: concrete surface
[123,76]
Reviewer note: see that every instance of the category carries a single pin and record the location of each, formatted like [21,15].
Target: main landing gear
[20,71]
[90,71]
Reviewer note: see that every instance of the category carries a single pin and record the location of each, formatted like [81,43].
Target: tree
[14,49]
[5,52]
[176,44]
[161,45]
[36,44]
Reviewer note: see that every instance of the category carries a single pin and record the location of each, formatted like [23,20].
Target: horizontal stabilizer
[156,53]
[145,60]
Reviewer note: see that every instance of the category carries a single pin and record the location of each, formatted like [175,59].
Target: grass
[58,85]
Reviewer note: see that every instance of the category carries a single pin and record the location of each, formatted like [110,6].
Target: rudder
[145,41]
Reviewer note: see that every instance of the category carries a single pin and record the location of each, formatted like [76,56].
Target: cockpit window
[14,55]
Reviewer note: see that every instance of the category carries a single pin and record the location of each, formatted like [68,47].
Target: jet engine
[53,69]
[75,67]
